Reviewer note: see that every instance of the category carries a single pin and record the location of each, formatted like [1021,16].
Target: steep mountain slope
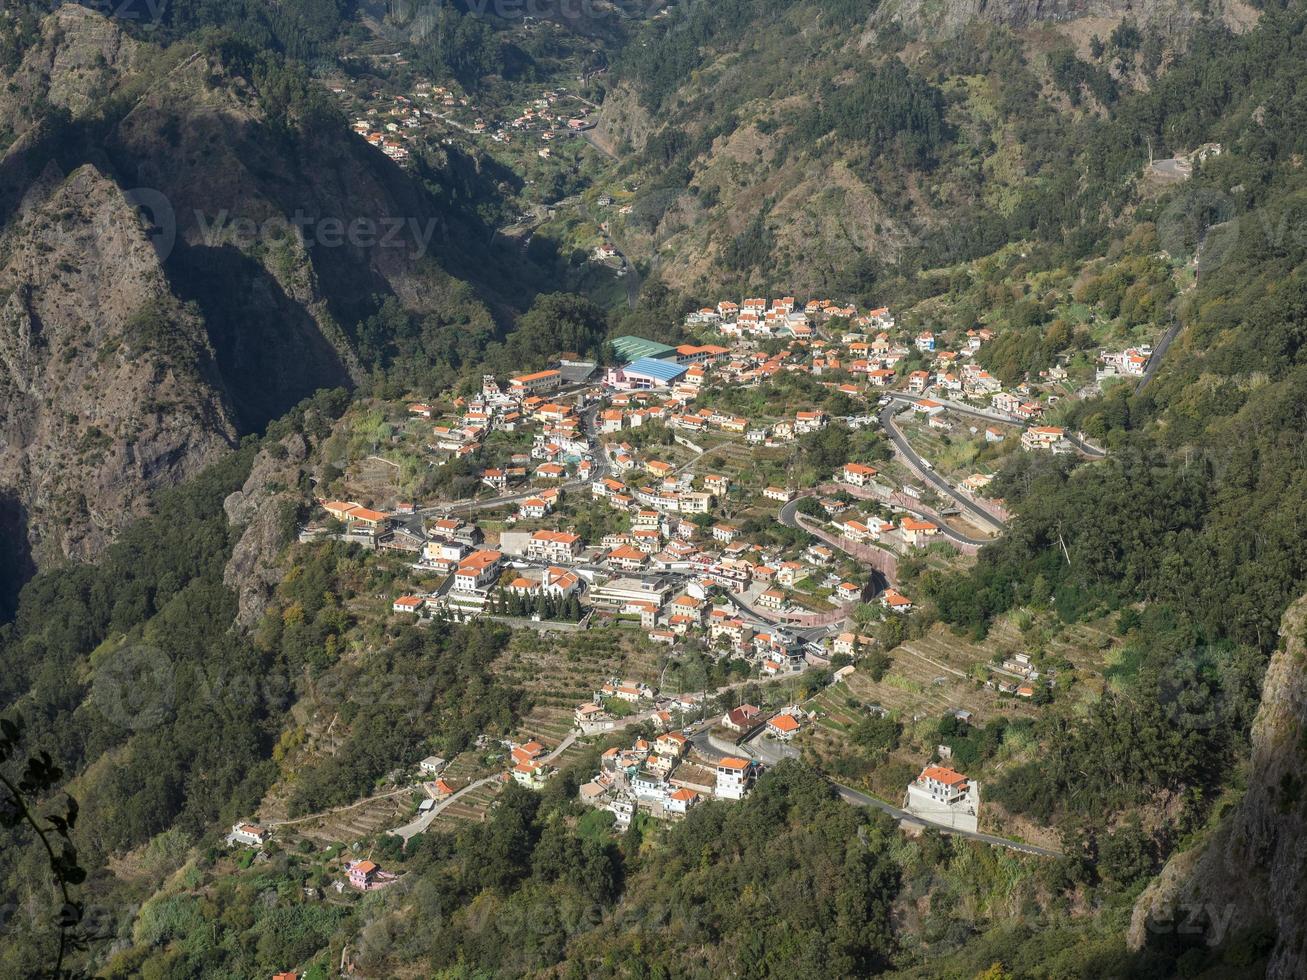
[267,233]
[1248,877]
[108,384]
[817,146]
[1175,17]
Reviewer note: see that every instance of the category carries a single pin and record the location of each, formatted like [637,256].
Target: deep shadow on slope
[16,565]
[270,353]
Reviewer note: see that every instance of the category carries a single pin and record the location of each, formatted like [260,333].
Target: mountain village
[625,495]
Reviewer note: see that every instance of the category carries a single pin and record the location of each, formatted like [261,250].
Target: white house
[553,546]
[247,835]
[945,796]
[477,571]
[734,778]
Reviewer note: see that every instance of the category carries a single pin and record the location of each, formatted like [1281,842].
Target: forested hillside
[887,152]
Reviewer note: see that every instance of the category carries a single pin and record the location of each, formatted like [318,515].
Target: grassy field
[957,453]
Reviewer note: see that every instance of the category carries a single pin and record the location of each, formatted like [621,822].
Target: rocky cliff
[186,242]
[108,386]
[263,510]
[1249,877]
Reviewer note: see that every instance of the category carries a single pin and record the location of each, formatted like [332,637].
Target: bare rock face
[80,54]
[264,507]
[1251,874]
[156,297]
[106,380]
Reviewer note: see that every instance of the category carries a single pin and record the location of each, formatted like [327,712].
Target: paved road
[1172,169]
[423,820]
[1155,359]
[789,516]
[1084,448]
[961,408]
[850,795]
[964,502]
[334,810]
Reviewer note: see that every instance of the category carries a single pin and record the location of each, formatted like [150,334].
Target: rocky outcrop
[82,55]
[178,253]
[263,510]
[107,382]
[1250,875]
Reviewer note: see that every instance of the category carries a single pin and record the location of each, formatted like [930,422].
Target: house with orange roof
[477,571]
[628,558]
[536,382]
[687,605]
[339,509]
[553,546]
[735,778]
[858,474]
[372,519]
[364,875]
[895,601]
[917,533]
[943,795]
[680,801]
[783,727]
[1048,438]
[532,775]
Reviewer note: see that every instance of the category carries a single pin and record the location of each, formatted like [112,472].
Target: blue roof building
[651,372]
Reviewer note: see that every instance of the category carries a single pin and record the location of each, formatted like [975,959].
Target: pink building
[366,876]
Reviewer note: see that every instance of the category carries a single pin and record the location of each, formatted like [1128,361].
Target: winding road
[423,820]
[924,470]
[712,748]
[857,798]
[1155,359]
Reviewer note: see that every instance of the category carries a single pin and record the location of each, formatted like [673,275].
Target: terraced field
[939,672]
[561,672]
[473,806]
[746,465]
[354,823]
